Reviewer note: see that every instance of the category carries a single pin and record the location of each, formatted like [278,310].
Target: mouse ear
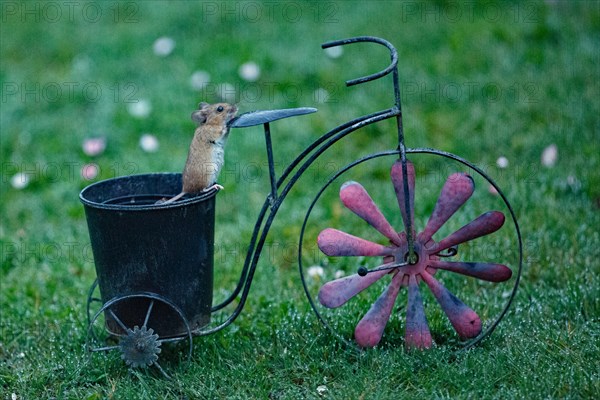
[202,105]
[199,117]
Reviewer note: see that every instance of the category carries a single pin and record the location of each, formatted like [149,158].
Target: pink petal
[369,330]
[333,242]
[417,334]
[464,320]
[486,271]
[456,191]
[355,197]
[90,171]
[94,146]
[485,224]
[336,293]
[398,181]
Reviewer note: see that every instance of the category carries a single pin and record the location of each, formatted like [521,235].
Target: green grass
[481,81]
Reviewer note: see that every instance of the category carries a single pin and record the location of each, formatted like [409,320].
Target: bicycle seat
[265,116]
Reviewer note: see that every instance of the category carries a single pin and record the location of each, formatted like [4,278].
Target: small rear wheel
[137,338]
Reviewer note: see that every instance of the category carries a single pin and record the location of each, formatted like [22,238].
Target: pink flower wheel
[404,271]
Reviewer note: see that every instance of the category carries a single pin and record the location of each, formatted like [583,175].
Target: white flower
[199,80]
[149,143]
[550,155]
[339,274]
[19,180]
[322,389]
[90,171]
[334,52]
[93,146]
[315,271]
[139,109]
[249,71]
[163,46]
[502,162]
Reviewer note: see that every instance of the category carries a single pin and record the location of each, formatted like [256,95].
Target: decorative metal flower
[410,272]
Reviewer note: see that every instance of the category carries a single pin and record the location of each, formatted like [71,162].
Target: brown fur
[205,157]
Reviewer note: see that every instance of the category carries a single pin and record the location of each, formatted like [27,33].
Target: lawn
[511,86]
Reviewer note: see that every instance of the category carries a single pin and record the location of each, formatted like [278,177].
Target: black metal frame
[281,186]
[315,150]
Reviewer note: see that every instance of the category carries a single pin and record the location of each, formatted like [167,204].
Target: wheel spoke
[336,293]
[121,324]
[333,242]
[355,198]
[148,313]
[171,340]
[486,271]
[369,330]
[106,348]
[456,191]
[398,181]
[417,333]
[464,320]
[485,224]
[162,370]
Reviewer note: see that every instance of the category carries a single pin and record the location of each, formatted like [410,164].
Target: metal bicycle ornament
[154,262]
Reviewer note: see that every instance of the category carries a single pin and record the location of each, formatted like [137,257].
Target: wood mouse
[206,154]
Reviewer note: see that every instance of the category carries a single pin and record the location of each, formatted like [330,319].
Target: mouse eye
[220,109]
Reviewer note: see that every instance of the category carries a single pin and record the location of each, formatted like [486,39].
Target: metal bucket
[142,247]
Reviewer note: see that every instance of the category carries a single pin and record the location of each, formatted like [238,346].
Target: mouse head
[214,114]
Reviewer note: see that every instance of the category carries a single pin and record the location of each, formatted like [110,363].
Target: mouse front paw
[215,186]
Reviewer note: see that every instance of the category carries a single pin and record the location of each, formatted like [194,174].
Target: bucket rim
[201,197]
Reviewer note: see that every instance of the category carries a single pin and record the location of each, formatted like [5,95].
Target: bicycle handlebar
[392,49]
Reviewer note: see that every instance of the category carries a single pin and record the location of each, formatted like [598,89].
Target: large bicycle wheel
[467,261]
